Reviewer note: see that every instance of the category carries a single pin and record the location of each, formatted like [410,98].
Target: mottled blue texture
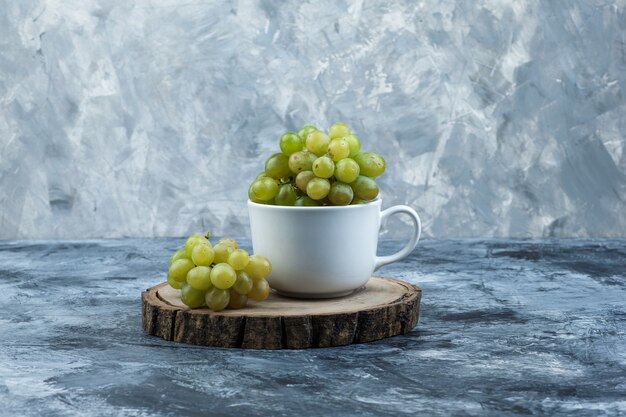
[150,118]
[506,327]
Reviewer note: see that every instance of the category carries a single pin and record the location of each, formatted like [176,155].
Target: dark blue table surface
[506,327]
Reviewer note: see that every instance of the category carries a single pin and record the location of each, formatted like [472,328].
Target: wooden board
[384,307]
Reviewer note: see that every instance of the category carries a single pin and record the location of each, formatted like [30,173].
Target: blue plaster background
[150,118]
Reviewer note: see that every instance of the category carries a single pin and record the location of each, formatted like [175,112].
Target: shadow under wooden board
[384,307]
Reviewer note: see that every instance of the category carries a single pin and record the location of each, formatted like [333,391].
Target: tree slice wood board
[382,308]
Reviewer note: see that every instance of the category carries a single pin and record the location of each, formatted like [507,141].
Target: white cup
[323,252]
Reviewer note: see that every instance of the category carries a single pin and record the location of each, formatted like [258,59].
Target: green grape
[192,241]
[277,166]
[347,170]
[222,252]
[311,157]
[371,164]
[306,201]
[317,142]
[243,285]
[260,290]
[338,130]
[290,143]
[251,195]
[258,267]
[175,284]
[216,299]
[328,168]
[286,195]
[323,167]
[223,276]
[318,188]
[192,297]
[357,200]
[340,194]
[338,149]
[263,190]
[179,254]
[303,178]
[237,300]
[238,259]
[200,277]
[304,132]
[202,255]
[301,161]
[178,269]
[228,242]
[354,144]
[365,188]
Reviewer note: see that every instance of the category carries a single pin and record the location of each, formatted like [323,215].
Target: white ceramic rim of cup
[348,207]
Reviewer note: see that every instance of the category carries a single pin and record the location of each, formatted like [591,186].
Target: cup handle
[417,231]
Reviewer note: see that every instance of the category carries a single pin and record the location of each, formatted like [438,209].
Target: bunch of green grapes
[315,168]
[221,276]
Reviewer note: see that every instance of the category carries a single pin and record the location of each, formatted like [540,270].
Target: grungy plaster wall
[150,118]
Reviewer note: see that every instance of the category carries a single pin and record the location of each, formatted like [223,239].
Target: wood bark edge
[280,332]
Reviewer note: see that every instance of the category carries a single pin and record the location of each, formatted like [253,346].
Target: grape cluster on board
[318,169]
[221,276]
